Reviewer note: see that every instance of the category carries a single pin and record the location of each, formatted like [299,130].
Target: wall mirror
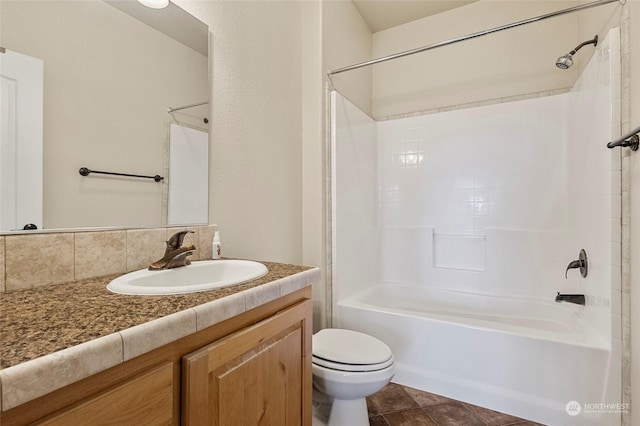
[111,70]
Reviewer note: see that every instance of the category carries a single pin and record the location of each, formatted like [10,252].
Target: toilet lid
[349,347]
[351,367]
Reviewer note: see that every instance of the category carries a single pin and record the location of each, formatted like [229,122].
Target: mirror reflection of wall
[108,81]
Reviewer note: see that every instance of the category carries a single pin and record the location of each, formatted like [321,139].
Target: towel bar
[85,172]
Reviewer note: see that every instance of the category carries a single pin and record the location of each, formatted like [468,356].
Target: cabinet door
[143,400]
[260,375]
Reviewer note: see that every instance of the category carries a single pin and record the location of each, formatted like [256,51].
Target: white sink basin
[199,276]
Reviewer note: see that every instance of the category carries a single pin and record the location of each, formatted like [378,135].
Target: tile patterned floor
[397,405]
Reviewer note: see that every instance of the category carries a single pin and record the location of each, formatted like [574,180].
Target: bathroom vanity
[242,357]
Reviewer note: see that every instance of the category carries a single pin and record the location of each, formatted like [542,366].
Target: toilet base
[329,411]
[352,412]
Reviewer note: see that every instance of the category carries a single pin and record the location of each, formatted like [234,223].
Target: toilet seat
[348,350]
[347,367]
[339,366]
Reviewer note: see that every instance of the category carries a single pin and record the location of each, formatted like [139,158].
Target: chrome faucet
[174,255]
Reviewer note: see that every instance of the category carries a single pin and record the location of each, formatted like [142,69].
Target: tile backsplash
[35,260]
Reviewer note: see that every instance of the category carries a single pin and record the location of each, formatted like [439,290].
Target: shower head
[566,61]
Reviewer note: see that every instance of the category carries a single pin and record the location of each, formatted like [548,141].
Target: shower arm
[630,140]
[578,8]
[594,41]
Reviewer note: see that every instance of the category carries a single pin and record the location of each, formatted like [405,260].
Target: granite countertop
[41,321]
[56,335]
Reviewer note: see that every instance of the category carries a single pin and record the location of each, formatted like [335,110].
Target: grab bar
[630,140]
[85,172]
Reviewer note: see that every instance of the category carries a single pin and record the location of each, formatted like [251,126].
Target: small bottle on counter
[215,247]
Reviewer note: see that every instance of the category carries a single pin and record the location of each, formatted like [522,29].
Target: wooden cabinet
[252,377]
[252,369]
[144,399]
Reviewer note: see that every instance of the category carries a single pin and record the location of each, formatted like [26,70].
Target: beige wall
[313,153]
[514,62]
[268,160]
[256,126]
[634,256]
[108,80]
[347,41]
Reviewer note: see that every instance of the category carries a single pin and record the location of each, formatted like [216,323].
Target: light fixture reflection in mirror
[155,4]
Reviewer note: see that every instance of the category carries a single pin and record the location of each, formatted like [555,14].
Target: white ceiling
[382,14]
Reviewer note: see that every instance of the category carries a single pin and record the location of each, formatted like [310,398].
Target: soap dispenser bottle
[215,247]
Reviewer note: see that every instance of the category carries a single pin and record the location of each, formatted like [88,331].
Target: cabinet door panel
[144,400]
[260,375]
[264,389]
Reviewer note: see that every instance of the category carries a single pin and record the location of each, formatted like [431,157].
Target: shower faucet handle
[576,264]
[581,264]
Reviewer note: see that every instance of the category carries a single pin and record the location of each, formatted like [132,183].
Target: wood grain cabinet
[252,369]
[252,377]
[144,399]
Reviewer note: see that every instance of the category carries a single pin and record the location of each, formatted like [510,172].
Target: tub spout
[578,299]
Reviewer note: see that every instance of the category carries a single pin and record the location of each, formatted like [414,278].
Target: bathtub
[523,357]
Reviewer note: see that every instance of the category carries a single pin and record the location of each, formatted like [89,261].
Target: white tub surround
[469,218]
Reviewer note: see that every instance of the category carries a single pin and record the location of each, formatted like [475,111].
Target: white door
[21,94]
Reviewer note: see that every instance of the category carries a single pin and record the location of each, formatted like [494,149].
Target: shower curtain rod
[170,110]
[471,36]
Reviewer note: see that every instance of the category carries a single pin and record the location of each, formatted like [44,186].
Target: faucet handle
[175,242]
[573,265]
[581,264]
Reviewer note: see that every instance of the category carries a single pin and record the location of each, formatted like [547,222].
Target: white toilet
[348,366]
